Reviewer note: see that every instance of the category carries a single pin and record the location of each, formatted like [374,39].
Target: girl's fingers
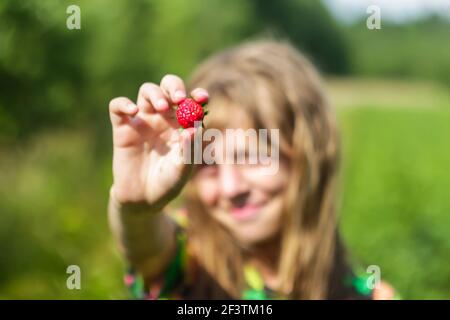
[121,109]
[151,98]
[200,95]
[173,88]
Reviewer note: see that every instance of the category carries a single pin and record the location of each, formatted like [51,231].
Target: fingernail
[132,107]
[179,95]
[162,103]
[202,97]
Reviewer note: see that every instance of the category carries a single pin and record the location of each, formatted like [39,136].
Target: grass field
[395,200]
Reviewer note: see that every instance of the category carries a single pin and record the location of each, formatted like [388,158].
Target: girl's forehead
[228,115]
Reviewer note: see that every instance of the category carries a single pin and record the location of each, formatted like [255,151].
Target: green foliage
[53,192]
[419,50]
[309,26]
[51,76]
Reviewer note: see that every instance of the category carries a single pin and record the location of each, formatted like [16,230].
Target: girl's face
[241,198]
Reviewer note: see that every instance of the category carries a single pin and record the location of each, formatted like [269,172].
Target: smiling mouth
[245,212]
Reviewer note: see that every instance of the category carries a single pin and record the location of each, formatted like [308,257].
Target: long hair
[278,88]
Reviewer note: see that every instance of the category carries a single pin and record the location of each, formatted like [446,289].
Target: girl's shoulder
[384,291]
[380,291]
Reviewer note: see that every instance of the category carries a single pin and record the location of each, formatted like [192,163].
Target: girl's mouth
[245,212]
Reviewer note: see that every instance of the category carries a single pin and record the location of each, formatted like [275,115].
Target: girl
[242,234]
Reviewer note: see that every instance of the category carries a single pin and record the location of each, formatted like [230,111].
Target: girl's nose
[231,182]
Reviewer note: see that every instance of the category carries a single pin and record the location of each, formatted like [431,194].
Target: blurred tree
[310,27]
[51,76]
[417,50]
[40,74]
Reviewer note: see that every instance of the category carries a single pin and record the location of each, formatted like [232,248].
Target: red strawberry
[189,111]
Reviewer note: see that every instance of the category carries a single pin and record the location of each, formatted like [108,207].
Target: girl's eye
[247,157]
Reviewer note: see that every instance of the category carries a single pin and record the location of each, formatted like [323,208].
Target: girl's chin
[253,239]
[254,232]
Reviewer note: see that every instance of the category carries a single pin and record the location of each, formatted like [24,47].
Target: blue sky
[392,10]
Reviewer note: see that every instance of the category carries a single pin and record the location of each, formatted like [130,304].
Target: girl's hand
[147,144]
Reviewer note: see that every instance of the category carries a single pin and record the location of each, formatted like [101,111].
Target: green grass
[395,201]
[394,206]
[53,214]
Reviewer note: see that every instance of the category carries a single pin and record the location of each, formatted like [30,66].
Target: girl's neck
[265,257]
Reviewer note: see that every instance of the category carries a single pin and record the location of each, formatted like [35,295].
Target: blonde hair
[278,88]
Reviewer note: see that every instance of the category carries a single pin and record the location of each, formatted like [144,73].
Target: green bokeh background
[390,88]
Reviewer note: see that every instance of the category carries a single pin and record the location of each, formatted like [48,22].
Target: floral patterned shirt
[177,283]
